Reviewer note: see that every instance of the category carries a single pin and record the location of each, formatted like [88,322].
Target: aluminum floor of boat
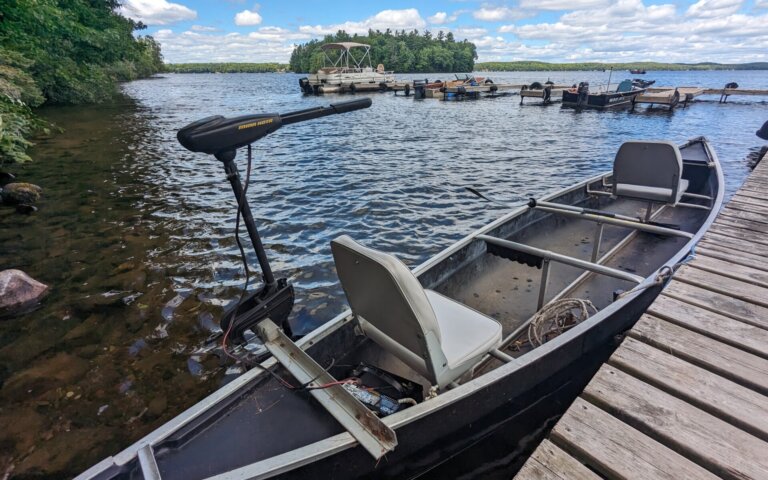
[508,291]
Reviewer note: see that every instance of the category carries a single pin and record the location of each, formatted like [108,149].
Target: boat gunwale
[331,445]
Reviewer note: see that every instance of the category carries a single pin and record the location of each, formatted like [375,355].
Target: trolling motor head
[221,137]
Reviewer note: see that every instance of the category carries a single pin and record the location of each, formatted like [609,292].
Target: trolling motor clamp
[221,137]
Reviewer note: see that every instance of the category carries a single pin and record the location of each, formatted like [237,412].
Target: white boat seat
[438,337]
[649,170]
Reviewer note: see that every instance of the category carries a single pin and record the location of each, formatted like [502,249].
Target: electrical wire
[306,386]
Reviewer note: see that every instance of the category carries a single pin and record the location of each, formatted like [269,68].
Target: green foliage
[225,67]
[58,51]
[531,66]
[400,51]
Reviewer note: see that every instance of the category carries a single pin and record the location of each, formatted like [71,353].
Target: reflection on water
[135,234]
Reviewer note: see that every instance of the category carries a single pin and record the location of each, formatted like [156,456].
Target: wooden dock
[686,394]
[668,96]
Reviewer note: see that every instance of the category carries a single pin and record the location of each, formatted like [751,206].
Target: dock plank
[707,440]
[749,207]
[736,231]
[726,220]
[726,285]
[735,243]
[549,462]
[717,302]
[616,450]
[736,251]
[729,362]
[741,200]
[729,401]
[754,217]
[729,269]
[740,258]
[713,325]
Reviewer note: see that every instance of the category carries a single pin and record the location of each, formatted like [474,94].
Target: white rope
[557,317]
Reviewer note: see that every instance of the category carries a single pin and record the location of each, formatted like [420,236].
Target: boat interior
[413,335]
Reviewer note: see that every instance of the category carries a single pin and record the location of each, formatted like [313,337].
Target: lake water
[135,234]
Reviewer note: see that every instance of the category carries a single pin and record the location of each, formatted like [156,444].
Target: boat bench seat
[649,170]
[656,194]
[439,338]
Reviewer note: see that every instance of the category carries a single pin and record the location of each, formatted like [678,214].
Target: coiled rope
[557,317]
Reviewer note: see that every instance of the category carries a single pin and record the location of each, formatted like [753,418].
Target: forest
[401,51]
[225,67]
[534,66]
[54,52]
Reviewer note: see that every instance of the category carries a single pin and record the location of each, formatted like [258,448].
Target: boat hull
[510,408]
[600,101]
[510,402]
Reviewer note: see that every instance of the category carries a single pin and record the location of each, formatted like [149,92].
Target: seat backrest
[383,292]
[643,163]
[624,86]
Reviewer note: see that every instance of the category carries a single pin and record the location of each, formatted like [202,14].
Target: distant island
[519,66]
[534,66]
[401,51]
[226,67]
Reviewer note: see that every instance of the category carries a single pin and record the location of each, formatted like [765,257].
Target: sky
[725,31]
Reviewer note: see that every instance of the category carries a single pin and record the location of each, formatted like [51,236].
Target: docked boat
[344,71]
[548,92]
[581,97]
[428,361]
[640,83]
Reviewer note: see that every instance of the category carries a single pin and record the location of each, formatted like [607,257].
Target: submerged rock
[21,193]
[19,291]
[26,209]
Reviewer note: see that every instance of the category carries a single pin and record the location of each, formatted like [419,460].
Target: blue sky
[548,30]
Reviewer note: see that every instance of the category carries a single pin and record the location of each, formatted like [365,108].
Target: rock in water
[21,193]
[26,209]
[19,291]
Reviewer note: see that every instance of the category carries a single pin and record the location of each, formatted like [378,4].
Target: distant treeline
[529,66]
[64,52]
[401,51]
[225,67]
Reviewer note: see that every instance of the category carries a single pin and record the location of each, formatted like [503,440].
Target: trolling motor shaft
[221,137]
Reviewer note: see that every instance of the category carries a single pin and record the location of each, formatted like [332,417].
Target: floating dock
[686,393]
[668,96]
[555,94]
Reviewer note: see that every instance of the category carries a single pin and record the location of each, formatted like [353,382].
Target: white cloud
[761,3]
[625,30]
[562,4]
[407,19]
[441,18]
[248,18]
[498,14]
[189,47]
[277,34]
[203,28]
[713,8]
[156,12]
[468,33]
[629,30]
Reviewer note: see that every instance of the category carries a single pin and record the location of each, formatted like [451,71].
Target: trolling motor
[221,137]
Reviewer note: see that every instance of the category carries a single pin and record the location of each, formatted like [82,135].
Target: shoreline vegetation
[521,66]
[534,66]
[73,52]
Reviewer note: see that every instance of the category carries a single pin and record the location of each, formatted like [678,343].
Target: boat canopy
[344,46]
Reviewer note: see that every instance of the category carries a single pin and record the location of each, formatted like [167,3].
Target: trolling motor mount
[221,137]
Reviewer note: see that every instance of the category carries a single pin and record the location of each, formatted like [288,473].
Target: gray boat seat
[438,337]
[649,170]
